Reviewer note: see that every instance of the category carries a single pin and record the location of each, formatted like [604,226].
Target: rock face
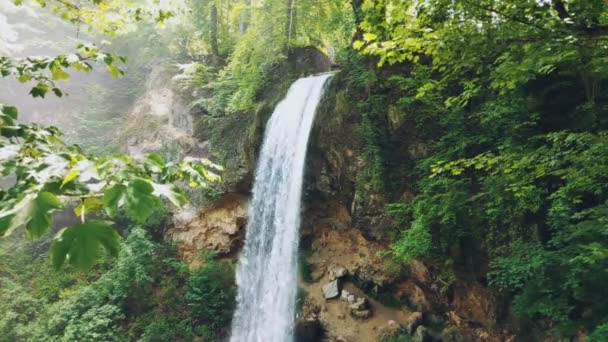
[160,118]
[218,229]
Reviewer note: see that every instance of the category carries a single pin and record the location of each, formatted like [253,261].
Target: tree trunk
[291,19]
[213,31]
[290,23]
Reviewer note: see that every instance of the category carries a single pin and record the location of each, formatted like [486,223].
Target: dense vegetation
[146,293]
[507,100]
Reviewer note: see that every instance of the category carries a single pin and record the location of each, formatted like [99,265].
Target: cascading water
[267,272]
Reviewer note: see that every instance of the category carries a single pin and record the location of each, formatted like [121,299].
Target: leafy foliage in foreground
[143,295]
[105,16]
[44,175]
[45,71]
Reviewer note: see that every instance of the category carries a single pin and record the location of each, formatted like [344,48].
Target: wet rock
[359,304]
[421,334]
[344,295]
[413,322]
[331,290]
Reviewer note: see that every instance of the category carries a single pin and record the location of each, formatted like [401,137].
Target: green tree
[509,96]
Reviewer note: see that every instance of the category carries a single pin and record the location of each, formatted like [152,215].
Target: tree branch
[506,16]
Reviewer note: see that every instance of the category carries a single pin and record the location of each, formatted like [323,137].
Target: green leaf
[34,211]
[5,224]
[139,201]
[80,245]
[40,90]
[58,74]
[10,111]
[170,192]
[8,115]
[112,199]
[90,204]
[114,71]
[156,159]
[57,92]
[368,37]
[24,78]
[70,177]
[38,224]
[17,215]
[155,162]
[42,214]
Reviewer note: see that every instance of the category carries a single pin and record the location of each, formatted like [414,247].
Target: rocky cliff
[361,155]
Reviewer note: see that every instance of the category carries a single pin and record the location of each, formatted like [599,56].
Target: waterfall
[267,271]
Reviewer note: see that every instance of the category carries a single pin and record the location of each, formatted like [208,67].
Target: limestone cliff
[160,119]
[218,229]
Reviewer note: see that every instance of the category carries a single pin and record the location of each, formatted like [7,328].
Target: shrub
[211,295]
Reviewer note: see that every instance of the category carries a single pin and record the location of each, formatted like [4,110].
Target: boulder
[360,308]
[348,297]
[337,272]
[361,314]
[359,304]
[331,290]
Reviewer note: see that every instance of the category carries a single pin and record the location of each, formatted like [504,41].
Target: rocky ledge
[219,229]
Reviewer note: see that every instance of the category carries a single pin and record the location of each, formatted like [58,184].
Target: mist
[95,104]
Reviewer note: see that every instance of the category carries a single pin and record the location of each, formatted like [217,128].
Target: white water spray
[267,272]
